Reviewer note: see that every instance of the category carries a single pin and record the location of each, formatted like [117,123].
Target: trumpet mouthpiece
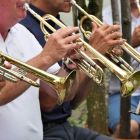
[26,6]
[73,2]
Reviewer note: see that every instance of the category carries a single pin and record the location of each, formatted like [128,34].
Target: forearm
[12,90]
[77,92]
[48,95]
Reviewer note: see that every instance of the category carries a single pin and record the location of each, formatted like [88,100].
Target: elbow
[48,101]
[47,106]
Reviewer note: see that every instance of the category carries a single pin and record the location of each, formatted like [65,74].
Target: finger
[73,46]
[117,51]
[112,28]
[115,35]
[72,66]
[7,65]
[94,26]
[104,27]
[63,32]
[74,56]
[72,38]
[116,42]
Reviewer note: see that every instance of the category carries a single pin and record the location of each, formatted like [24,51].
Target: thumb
[94,26]
[7,65]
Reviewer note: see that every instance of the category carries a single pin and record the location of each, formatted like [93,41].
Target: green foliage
[79,116]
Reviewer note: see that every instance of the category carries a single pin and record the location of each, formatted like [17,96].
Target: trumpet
[59,84]
[130,80]
[7,74]
[13,76]
[87,65]
[129,49]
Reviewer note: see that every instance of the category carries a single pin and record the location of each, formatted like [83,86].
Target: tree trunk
[125,102]
[97,100]
[115,12]
[76,14]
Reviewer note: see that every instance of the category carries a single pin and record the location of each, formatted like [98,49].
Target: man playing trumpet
[55,122]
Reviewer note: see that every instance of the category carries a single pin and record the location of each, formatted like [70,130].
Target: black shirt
[61,112]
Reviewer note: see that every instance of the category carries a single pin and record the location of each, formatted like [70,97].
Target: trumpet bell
[62,85]
[126,74]
[66,88]
[131,84]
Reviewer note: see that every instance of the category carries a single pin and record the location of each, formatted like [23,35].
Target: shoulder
[20,32]
[18,28]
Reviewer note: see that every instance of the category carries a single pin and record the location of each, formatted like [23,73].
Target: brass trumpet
[7,74]
[129,49]
[12,75]
[60,84]
[87,65]
[130,80]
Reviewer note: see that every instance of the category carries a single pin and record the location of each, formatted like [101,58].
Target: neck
[44,7]
[4,32]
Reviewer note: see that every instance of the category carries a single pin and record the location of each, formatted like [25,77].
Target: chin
[22,15]
[67,9]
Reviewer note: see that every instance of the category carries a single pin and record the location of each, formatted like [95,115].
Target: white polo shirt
[21,118]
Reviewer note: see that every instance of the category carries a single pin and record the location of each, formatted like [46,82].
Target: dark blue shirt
[61,112]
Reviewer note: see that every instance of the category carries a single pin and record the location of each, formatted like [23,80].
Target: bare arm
[102,39]
[2,78]
[7,95]
[58,46]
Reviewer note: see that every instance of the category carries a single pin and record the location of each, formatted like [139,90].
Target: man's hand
[2,79]
[61,43]
[71,61]
[136,37]
[106,37]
